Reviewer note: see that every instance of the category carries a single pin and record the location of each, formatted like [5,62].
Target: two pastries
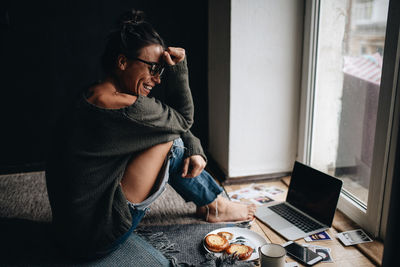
[219,243]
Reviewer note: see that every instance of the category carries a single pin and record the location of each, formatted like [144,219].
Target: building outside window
[342,79]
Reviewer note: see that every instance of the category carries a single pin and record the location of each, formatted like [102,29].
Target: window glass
[348,72]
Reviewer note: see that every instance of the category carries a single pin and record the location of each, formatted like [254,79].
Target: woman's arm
[195,159]
[178,94]
[176,115]
[192,145]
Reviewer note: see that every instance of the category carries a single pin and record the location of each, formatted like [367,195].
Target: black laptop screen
[314,192]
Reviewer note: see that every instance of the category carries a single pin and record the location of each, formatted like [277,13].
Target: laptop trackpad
[276,222]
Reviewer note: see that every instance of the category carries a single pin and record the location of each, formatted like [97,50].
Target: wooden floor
[342,256]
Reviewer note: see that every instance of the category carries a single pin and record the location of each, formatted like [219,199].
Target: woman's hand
[193,166]
[174,55]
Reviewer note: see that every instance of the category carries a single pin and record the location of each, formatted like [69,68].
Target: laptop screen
[314,192]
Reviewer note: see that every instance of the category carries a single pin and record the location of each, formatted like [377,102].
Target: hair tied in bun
[134,22]
[128,21]
[132,33]
[132,17]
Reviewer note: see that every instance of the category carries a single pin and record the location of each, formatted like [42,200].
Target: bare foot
[224,210]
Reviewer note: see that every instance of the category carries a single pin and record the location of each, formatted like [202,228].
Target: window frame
[374,218]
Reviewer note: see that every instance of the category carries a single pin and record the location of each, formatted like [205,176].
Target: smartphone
[302,254]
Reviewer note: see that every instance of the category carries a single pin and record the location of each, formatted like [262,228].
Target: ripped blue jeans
[201,190]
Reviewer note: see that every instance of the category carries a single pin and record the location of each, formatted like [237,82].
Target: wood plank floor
[341,255]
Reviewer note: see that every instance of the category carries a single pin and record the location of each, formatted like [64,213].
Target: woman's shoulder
[105,96]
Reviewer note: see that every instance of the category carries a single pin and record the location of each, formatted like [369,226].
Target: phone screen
[301,253]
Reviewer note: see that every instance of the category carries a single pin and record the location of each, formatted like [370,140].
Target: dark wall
[49,50]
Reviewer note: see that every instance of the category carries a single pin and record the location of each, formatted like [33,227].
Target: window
[342,101]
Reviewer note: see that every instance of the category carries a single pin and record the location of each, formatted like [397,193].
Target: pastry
[242,251]
[216,243]
[227,235]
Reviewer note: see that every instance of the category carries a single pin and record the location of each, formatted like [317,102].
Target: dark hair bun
[132,17]
[132,35]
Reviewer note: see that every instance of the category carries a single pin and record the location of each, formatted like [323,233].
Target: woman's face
[134,75]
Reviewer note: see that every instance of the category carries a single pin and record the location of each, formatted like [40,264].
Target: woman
[115,150]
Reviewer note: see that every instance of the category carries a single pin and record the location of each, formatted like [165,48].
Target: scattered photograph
[255,193]
[274,191]
[263,200]
[324,252]
[318,237]
[259,187]
[353,237]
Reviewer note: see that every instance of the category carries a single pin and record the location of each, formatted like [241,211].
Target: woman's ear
[122,62]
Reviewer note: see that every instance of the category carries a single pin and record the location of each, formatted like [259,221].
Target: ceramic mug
[272,255]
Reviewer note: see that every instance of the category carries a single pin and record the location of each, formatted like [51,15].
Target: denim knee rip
[144,205]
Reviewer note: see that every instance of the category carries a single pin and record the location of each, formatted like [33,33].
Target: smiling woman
[117,147]
[134,59]
[130,78]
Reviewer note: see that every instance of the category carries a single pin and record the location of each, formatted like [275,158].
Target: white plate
[243,236]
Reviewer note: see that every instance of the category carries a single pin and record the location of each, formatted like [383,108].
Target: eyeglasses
[155,68]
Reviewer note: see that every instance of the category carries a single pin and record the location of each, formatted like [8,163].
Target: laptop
[309,207]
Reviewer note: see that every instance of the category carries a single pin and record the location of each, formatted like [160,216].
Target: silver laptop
[309,207]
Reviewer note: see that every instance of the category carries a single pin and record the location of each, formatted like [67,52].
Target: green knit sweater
[90,151]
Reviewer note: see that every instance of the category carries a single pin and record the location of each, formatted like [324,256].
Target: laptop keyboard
[296,218]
